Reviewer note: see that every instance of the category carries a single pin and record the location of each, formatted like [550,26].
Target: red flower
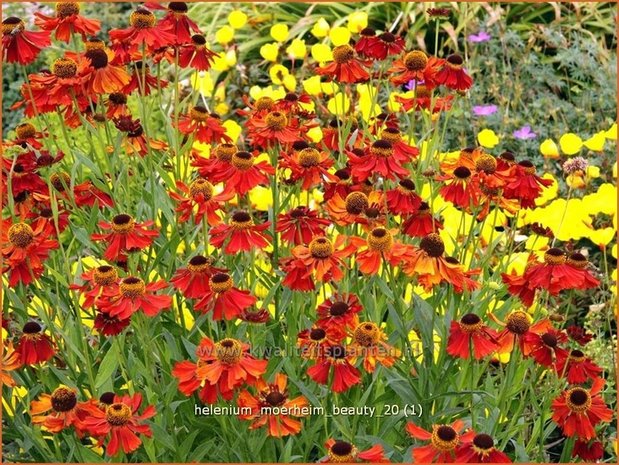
[196,55]
[60,87]
[308,165]
[479,448]
[199,194]
[444,440]
[379,47]
[415,65]
[224,300]
[142,32]
[193,281]
[519,286]
[117,106]
[315,341]
[221,368]
[559,272]
[321,259]
[241,235]
[526,186]
[517,328]
[133,295]
[578,410]
[337,359]
[59,411]
[369,343]
[265,406]
[470,336]
[103,77]
[121,422]
[300,225]
[345,67]
[24,250]
[34,346]
[21,46]
[339,311]
[588,451]
[215,168]
[579,334]
[577,367]
[421,223]
[142,80]
[379,247]
[67,21]
[243,173]
[344,452]
[110,325]
[381,158]
[206,126]
[459,188]
[126,236]
[86,194]
[178,23]
[403,199]
[98,281]
[453,75]
[544,346]
[274,128]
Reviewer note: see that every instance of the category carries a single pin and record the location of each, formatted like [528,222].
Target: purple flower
[481,36]
[524,133]
[484,110]
[412,84]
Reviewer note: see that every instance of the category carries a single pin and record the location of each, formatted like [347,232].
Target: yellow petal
[290,82]
[279,32]
[549,149]
[261,198]
[232,129]
[487,138]
[278,73]
[570,143]
[339,35]
[596,142]
[612,132]
[339,104]
[312,86]
[203,83]
[593,172]
[269,52]
[297,49]
[321,53]
[315,134]
[357,21]
[320,29]
[237,19]
[224,35]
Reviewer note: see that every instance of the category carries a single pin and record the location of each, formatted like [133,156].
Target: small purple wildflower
[481,36]
[484,110]
[524,133]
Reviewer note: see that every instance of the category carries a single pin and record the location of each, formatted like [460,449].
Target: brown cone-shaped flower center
[229,351]
[123,223]
[577,260]
[60,180]
[366,334]
[342,452]
[433,245]
[391,135]
[470,323]
[118,414]
[275,398]
[578,399]
[264,103]
[415,60]
[321,247]
[225,152]
[32,327]
[107,398]
[455,61]
[336,352]
[98,58]
[577,356]
[483,442]
[105,275]
[462,172]
[94,43]
[25,131]
[343,54]
[381,148]
[198,40]
[142,19]
[118,98]
[201,187]
[529,168]
[21,235]
[178,7]
[11,25]
[132,287]
[242,160]
[64,68]
[66,9]
[291,97]
[338,309]
[486,163]
[356,203]
[367,32]
[276,120]
[220,282]
[298,212]
[554,256]
[380,240]
[406,186]
[387,37]
[309,157]
[199,113]
[199,264]
[518,322]
[63,399]
[241,220]
[444,437]
[549,339]
[317,334]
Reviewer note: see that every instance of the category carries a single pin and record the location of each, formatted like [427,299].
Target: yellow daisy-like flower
[487,138]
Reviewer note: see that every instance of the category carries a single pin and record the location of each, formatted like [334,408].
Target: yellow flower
[357,21]
[269,52]
[367,102]
[279,32]
[203,83]
[548,193]
[237,19]
[570,143]
[602,237]
[225,62]
[222,108]
[261,198]
[596,142]
[278,73]
[593,172]
[312,86]
[290,82]
[339,104]
[549,149]
[320,29]
[576,181]
[225,35]
[487,138]
[232,129]
[255,92]
[612,132]
[315,134]
[297,49]
[339,36]
[321,53]
[603,201]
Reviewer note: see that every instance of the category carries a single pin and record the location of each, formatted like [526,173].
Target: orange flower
[126,236]
[59,411]
[223,299]
[104,77]
[21,46]
[273,408]
[345,67]
[308,165]
[378,247]
[369,344]
[206,127]
[199,202]
[34,345]
[195,54]
[339,311]
[10,362]
[444,440]
[314,342]
[242,174]
[518,325]
[337,359]
[67,21]
[241,235]
[345,452]
[415,65]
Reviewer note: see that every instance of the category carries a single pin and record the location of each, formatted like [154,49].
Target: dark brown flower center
[554,256]
[549,339]
[220,282]
[337,352]
[382,148]
[415,60]
[366,334]
[32,327]
[275,398]
[11,25]
[343,54]
[462,172]
[63,399]
[433,245]
[518,322]
[406,185]
[338,309]
[225,152]
[118,98]
[317,334]
[105,275]
[198,40]
[107,398]
[123,223]
[98,58]
[387,37]
[242,160]
[132,287]
[483,441]
[201,187]
[578,399]
[309,157]
[321,247]
[178,7]
[486,163]
[264,103]
[25,131]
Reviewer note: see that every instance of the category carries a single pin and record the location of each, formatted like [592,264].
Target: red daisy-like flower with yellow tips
[126,236]
[134,294]
[223,299]
[34,346]
[444,441]
[99,281]
[345,67]
[240,235]
[470,336]
[199,202]
[59,410]
[18,44]
[345,452]
[244,172]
